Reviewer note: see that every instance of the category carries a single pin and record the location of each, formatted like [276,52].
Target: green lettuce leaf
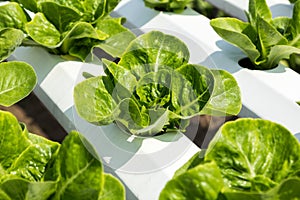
[254,154]
[141,121]
[12,16]
[20,189]
[63,18]
[295,25]
[17,80]
[93,102]
[226,91]
[237,33]
[192,86]
[259,9]
[10,39]
[74,166]
[118,39]
[20,156]
[152,51]
[201,182]
[113,189]
[43,32]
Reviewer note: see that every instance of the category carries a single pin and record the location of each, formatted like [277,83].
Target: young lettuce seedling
[153,89]
[264,40]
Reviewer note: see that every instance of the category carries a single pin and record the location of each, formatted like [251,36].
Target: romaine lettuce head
[33,167]
[257,159]
[73,28]
[154,89]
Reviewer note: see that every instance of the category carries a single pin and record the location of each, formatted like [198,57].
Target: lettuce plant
[32,167]
[247,159]
[264,40]
[168,5]
[66,27]
[153,89]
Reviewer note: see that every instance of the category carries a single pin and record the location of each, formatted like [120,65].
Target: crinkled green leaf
[259,8]
[78,41]
[43,32]
[122,75]
[90,10]
[156,49]
[201,182]
[295,28]
[113,189]
[232,30]
[119,37]
[93,102]
[268,37]
[100,8]
[254,154]
[154,89]
[80,173]
[13,16]
[20,189]
[280,52]
[141,121]
[226,96]
[69,27]
[29,5]
[81,40]
[17,80]
[282,25]
[13,141]
[19,156]
[10,39]
[63,18]
[192,86]
[32,163]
